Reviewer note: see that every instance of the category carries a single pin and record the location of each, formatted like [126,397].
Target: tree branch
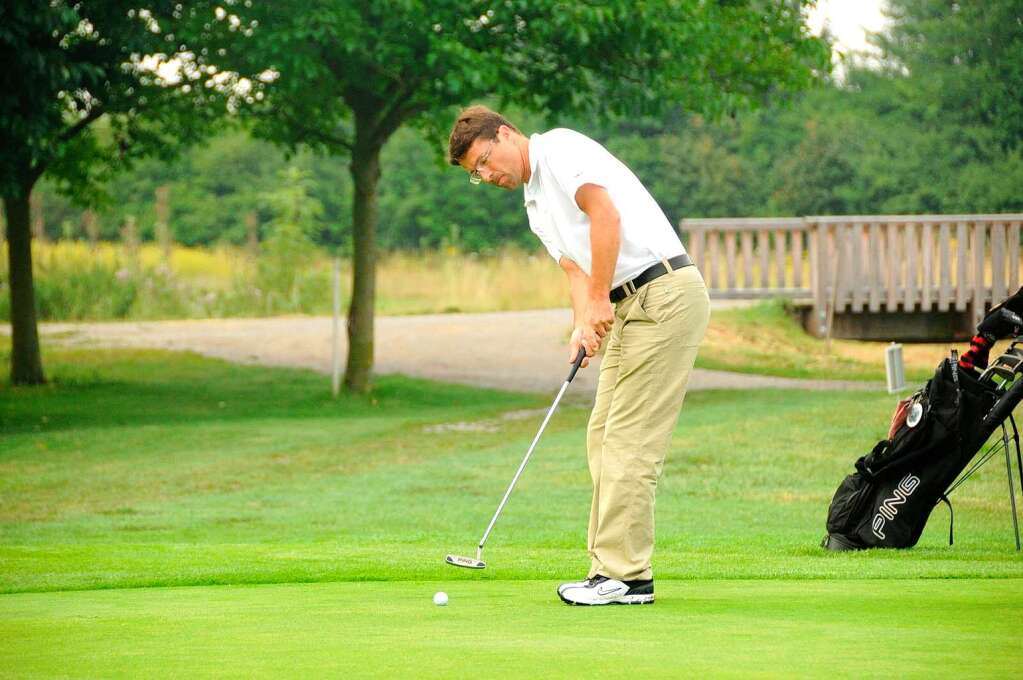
[73,131]
[395,115]
[324,137]
[35,170]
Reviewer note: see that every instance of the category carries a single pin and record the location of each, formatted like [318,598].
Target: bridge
[882,277]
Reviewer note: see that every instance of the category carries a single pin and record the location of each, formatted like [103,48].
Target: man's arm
[605,237]
[591,305]
[579,291]
[578,288]
[605,240]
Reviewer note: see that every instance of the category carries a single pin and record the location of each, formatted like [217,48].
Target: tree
[963,60]
[692,168]
[296,214]
[813,176]
[84,95]
[351,73]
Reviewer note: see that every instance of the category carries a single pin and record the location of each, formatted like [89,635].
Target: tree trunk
[365,169]
[26,364]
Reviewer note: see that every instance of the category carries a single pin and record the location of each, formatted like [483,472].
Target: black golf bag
[935,434]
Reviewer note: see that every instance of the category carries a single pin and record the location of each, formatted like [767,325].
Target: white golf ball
[440,599]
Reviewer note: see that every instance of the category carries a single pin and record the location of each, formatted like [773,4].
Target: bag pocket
[852,496]
[900,415]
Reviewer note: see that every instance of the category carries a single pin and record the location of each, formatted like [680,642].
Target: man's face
[497,161]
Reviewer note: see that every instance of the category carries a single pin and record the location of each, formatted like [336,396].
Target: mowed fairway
[167,515]
[513,629]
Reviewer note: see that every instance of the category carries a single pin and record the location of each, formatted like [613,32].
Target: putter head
[467,562]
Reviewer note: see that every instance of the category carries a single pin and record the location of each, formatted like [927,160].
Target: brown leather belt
[630,287]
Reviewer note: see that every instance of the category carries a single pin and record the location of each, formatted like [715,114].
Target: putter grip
[577,364]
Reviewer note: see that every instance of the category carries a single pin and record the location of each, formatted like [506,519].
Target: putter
[477,562]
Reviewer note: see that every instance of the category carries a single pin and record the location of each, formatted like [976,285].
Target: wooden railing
[751,257]
[874,263]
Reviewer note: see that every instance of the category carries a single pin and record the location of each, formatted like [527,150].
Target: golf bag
[933,437]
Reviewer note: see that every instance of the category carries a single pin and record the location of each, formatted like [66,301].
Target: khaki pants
[643,375]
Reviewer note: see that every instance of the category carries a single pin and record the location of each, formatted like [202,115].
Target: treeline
[935,127]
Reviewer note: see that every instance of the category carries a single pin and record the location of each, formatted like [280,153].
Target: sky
[848,21]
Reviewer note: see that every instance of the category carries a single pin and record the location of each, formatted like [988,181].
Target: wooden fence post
[875,256]
[997,262]
[977,245]
[821,274]
[945,264]
[162,227]
[1013,253]
[797,259]
[962,259]
[927,279]
[130,241]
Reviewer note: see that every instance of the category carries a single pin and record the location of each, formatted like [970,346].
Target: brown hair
[472,123]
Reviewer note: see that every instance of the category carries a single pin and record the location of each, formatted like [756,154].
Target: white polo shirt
[563,160]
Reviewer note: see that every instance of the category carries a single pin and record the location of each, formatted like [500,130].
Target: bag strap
[861,463]
[951,515]
[954,361]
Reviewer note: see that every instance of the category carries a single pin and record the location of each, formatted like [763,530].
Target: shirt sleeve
[574,161]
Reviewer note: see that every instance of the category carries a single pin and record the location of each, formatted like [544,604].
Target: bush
[74,282]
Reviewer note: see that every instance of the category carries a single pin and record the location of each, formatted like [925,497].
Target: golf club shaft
[522,466]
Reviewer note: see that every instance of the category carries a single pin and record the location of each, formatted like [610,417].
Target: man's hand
[586,338]
[599,315]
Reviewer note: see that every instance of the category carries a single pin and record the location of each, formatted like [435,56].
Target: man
[616,247]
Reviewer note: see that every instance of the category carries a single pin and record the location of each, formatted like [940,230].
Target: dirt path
[522,351]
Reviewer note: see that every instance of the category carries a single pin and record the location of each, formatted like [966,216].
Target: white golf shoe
[603,590]
[573,584]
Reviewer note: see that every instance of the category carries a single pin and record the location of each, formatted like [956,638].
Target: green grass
[853,629]
[767,339]
[312,534]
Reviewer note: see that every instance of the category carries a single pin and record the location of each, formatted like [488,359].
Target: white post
[895,368]
[335,344]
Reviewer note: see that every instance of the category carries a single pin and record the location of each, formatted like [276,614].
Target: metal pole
[335,383]
[1012,491]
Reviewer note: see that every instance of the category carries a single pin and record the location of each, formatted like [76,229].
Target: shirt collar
[532,187]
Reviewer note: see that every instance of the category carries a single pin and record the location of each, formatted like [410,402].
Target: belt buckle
[630,288]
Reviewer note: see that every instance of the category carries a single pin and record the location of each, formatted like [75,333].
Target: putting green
[167,515]
[903,628]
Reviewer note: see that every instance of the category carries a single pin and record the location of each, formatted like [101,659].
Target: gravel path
[521,351]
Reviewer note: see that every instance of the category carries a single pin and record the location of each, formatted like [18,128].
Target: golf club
[477,562]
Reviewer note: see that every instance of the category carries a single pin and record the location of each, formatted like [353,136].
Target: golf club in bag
[477,562]
[934,436]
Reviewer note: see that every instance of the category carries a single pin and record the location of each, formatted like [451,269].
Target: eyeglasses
[475,177]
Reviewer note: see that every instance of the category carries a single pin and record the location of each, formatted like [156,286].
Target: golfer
[634,288]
